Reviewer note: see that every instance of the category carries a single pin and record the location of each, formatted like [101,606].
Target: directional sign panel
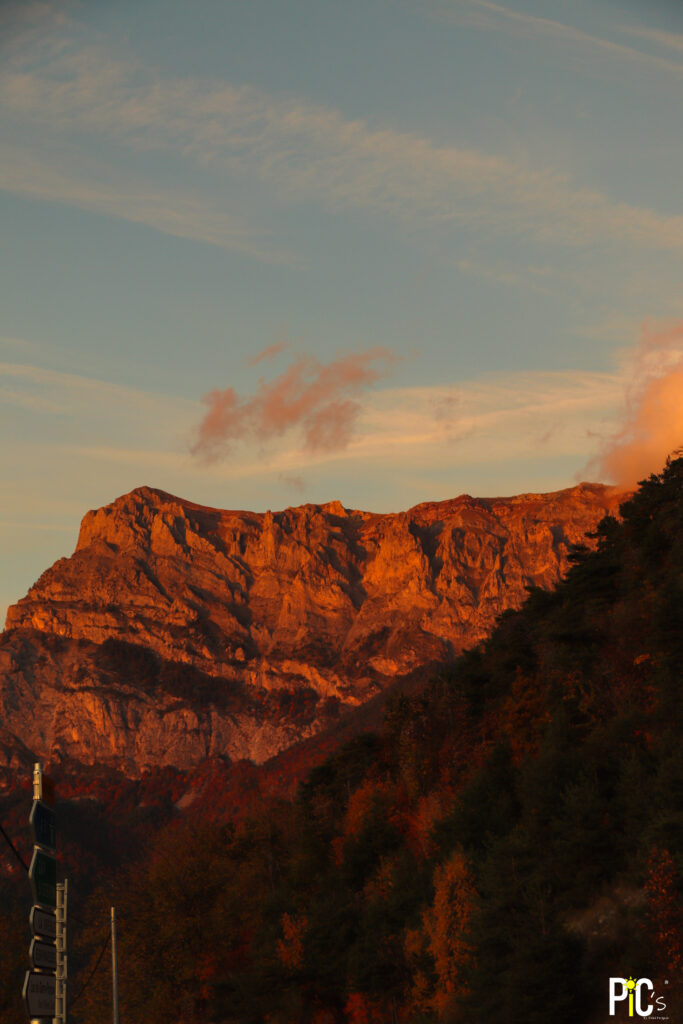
[42,819]
[43,923]
[43,955]
[43,877]
[39,994]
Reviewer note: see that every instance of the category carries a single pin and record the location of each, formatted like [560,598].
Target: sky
[383,251]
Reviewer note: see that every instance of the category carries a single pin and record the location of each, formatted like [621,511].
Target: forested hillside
[509,840]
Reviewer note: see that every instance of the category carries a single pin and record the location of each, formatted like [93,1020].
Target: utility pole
[114,970]
[60,989]
[46,980]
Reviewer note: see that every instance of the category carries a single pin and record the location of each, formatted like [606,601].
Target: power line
[14,849]
[74,916]
[90,976]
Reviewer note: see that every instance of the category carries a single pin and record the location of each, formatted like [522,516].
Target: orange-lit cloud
[267,353]
[653,425]
[318,399]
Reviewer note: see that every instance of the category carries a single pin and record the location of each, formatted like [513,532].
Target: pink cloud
[268,353]
[653,424]
[317,398]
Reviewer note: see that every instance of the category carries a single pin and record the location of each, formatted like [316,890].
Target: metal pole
[37,781]
[38,795]
[60,942]
[114,970]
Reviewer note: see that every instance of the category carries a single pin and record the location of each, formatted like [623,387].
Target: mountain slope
[509,842]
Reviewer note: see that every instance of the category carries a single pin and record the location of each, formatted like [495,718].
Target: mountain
[177,633]
[508,842]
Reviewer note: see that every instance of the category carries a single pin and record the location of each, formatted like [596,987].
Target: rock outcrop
[177,632]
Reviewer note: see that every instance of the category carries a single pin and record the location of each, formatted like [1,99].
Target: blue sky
[453,227]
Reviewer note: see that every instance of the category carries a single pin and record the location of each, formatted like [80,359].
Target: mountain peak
[303,612]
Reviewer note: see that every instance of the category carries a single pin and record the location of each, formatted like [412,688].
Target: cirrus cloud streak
[484,14]
[296,149]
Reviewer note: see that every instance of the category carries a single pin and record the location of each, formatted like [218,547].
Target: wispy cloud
[481,421]
[65,179]
[68,383]
[23,23]
[23,345]
[320,399]
[531,277]
[669,40]
[32,402]
[487,419]
[487,15]
[297,150]
[494,414]
[52,405]
[268,353]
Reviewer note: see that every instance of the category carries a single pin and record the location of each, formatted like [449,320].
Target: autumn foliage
[452,867]
[665,914]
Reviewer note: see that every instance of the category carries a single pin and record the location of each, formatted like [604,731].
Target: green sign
[43,877]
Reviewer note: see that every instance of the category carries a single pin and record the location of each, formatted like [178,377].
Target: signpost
[42,821]
[43,955]
[43,877]
[39,995]
[44,990]
[43,924]
[60,945]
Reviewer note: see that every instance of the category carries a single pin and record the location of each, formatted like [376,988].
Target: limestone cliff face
[272,622]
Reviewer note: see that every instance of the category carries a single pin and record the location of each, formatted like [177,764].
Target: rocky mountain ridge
[177,632]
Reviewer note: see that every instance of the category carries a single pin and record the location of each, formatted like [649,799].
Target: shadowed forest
[508,840]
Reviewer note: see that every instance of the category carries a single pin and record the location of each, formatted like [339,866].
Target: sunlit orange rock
[285,618]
